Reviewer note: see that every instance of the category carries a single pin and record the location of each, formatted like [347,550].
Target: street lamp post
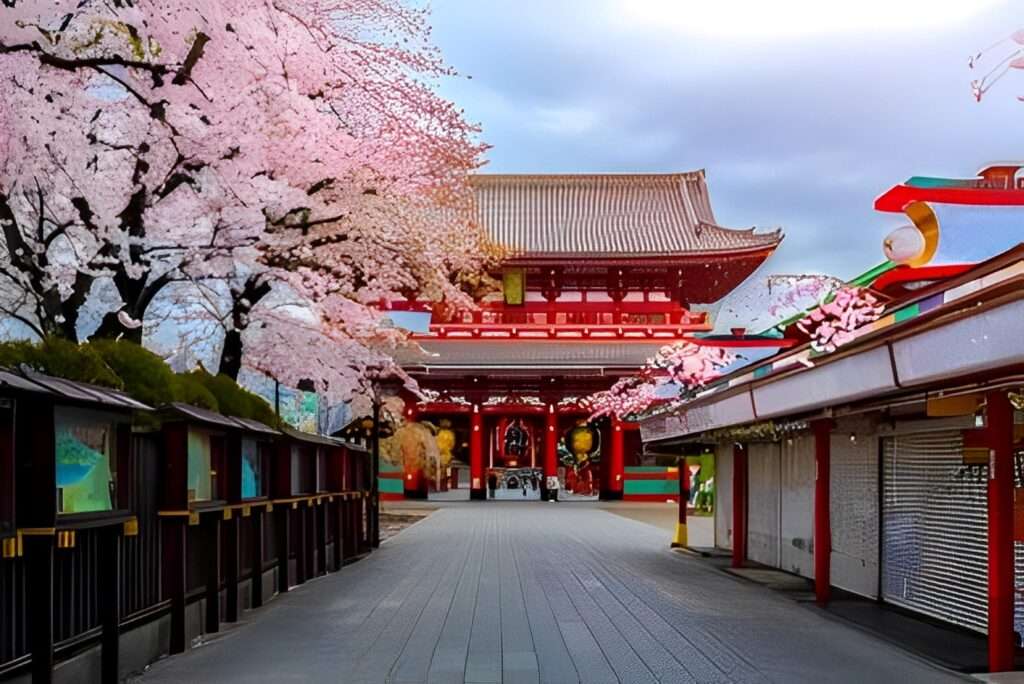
[382,386]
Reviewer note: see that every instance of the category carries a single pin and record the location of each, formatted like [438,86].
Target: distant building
[604,270]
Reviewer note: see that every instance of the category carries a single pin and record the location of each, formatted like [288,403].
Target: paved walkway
[539,592]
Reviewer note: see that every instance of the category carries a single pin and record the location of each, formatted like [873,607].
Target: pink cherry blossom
[684,364]
[835,323]
[293,150]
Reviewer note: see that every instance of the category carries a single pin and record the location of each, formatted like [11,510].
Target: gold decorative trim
[227,513]
[131,527]
[66,539]
[38,531]
[246,511]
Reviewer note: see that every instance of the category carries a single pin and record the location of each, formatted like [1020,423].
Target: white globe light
[904,245]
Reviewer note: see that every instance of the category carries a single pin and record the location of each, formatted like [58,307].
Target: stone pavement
[494,592]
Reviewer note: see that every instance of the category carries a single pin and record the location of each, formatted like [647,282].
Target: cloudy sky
[801,112]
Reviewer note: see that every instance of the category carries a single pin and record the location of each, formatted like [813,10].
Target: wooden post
[256,582]
[339,532]
[739,505]
[110,604]
[478,487]
[822,516]
[320,513]
[1001,644]
[373,531]
[212,553]
[312,539]
[283,546]
[231,568]
[301,546]
[39,572]
[174,531]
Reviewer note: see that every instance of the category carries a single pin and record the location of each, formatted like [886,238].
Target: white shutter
[854,510]
[763,503]
[934,529]
[797,505]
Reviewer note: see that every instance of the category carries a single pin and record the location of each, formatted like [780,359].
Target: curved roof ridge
[627,215]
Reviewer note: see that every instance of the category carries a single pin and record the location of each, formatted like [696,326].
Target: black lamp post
[383,385]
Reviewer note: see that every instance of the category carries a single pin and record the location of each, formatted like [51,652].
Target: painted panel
[854,507]
[391,485]
[85,463]
[666,487]
[987,340]
[763,464]
[845,380]
[723,495]
[797,505]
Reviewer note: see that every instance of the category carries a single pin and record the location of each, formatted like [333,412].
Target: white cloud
[565,120]
[782,19]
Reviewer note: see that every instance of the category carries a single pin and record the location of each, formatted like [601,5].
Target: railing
[327,530]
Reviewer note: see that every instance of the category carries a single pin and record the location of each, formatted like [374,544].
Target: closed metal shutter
[763,503]
[934,529]
[797,506]
[854,508]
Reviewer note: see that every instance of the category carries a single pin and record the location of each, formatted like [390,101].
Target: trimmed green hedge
[126,366]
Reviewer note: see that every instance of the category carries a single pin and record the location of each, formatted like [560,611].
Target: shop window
[85,452]
[252,469]
[200,480]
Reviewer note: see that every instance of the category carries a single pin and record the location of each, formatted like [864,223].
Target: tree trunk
[243,300]
[231,354]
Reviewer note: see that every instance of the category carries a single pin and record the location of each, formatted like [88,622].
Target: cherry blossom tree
[297,145]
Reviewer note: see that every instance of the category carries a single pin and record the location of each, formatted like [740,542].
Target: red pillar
[1000,533]
[551,443]
[822,519]
[681,538]
[616,461]
[739,505]
[477,486]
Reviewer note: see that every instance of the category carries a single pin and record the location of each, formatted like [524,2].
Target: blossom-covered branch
[684,365]
[835,323]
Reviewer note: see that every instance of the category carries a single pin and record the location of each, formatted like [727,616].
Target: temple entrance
[516,450]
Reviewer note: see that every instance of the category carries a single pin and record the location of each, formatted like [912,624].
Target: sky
[800,111]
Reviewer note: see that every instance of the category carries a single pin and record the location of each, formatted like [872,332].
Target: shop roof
[25,380]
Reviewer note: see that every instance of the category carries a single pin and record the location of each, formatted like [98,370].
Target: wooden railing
[324,531]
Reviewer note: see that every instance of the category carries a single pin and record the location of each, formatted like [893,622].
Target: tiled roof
[608,215]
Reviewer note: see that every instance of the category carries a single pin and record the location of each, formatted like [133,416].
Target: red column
[822,520]
[681,538]
[477,486]
[551,443]
[616,461]
[1000,533]
[739,505]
